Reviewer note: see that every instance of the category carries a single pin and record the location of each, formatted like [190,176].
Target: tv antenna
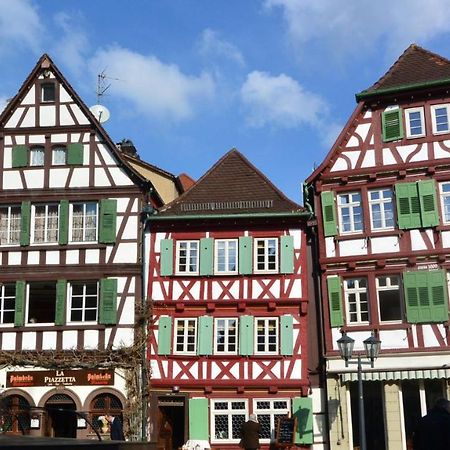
[100,111]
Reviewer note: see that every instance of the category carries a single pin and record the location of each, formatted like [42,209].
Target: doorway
[171,422]
[61,420]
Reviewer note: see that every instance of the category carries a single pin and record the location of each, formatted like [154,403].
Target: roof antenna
[100,111]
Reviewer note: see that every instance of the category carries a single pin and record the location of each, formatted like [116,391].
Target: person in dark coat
[250,432]
[115,428]
[433,430]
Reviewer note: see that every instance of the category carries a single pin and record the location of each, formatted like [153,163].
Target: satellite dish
[100,112]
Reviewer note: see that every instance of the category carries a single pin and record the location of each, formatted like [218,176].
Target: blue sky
[191,79]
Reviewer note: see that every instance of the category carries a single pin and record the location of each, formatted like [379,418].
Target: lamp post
[372,348]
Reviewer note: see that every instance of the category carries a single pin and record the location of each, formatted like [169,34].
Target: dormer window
[48,92]
[415,123]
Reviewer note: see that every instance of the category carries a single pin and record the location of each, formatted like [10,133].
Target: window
[439,115]
[266,255]
[186,336]
[356,300]
[226,336]
[350,212]
[84,222]
[48,92]
[45,224]
[392,123]
[37,156]
[102,405]
[389,298]
[83,302]
[10,221]
[16,415]
[59,156]
[226,256]
[445,201]
[187,257]
[381,209]
[266,335]
[7,302]
[227,419]
[41,302]
[268,413]
[415,124]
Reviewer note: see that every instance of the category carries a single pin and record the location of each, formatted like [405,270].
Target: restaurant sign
[60,378]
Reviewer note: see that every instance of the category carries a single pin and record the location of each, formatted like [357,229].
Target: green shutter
[164,335]
[335,301]
[19,313]
[428,203]
[245,255]
[63,222]
[206,256]
[198,419]
[408,206]
[246,335]
[61,295]
[287,335]
[328,213]
[302,409]
[19,156]
[392,124]
[108,301]
[25,221]
[75,154]
[411,282]
[108,219]
[287,254]
[166,259]
[437,283]
[205,335]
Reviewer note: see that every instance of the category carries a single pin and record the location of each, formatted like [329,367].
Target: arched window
[101,405]
[15,415]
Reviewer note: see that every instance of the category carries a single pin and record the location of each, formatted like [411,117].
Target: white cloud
[348,27]
[20,25]
[211,45]
[279,101]
[152,87]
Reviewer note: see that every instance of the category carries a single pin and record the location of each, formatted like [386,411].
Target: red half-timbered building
[382,201]
[228,285]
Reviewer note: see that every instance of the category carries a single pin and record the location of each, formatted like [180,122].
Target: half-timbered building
[71,272]
[382,202]
[229,292]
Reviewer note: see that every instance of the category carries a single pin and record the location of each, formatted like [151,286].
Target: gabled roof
[416,68]
[233,186]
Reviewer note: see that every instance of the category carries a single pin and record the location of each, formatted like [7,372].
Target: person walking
[250,432]
[115,428]
[433,430]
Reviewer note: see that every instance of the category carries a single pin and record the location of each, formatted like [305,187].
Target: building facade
[71,296]
[381,198]
[228,284]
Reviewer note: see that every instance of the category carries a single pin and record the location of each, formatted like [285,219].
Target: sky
[188,80]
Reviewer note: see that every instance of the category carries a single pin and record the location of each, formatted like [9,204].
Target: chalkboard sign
[285,432]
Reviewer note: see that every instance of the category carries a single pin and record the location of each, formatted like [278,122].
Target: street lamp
[372,348]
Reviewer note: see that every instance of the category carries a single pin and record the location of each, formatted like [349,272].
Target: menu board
[285,432]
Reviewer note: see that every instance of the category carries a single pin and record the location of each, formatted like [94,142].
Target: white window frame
[266,335]
[351,205]
[4,298]
[226,329]
[226,243]
[185,343]
[38,150]
[46,228]
[381,202]
[272,412]
[357,291]
[8,230]
[408,122]
[444,196]
[55,149]
[27,308]
[389,287]
[189,255]
[433,118]
[266,255]
[229,412]
[83,228]
[83,307]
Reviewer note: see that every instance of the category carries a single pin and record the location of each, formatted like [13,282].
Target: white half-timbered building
[229,336]
[71,272]
[382,201]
